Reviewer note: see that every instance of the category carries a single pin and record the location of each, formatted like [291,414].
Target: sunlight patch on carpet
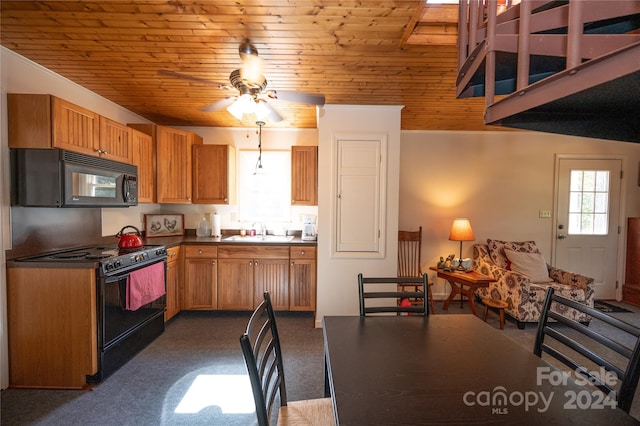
[232,393]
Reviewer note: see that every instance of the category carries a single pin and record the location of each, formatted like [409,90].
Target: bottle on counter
[204,230]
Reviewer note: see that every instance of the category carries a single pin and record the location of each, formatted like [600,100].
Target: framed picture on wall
[163,225]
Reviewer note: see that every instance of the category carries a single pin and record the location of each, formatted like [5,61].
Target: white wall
[499,180]
[337,277]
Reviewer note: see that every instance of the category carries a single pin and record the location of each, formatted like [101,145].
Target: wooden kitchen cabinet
[631,288]
[200,277]
[115,141]
[302,278]
[173,157]
[213,174]
[173,162]
[52,323]
[245,272]
[304,175]
[144,155]
[173,282]
[45,121]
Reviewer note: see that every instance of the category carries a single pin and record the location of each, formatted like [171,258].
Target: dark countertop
[191,239]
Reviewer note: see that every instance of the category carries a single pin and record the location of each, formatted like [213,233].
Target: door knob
[561,237]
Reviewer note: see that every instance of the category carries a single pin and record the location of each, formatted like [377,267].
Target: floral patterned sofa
[524,297]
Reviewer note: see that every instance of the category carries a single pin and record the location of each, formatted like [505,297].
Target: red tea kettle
[130,239]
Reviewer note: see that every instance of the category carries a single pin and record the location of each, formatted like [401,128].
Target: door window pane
[589,202]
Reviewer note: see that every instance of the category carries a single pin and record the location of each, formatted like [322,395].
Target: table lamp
[461,231]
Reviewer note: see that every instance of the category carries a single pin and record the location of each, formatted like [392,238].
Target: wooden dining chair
[594,346]
[260,345]
[409,252]
[380,288]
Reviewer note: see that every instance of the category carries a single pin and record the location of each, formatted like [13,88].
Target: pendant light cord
[259,163]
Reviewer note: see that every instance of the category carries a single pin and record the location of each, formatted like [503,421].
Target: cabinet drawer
[252,252]
[173,253]
[200,251]
[303,252]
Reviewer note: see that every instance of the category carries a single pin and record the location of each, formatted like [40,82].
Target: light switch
[545,214]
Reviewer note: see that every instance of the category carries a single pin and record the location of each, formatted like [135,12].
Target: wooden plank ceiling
[384,52]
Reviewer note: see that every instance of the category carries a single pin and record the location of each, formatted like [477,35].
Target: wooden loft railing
[570,67]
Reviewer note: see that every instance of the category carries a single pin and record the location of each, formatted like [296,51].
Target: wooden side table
[493,303]
[464,284]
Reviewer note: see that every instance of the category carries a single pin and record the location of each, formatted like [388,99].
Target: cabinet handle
[302,253]
[255,263]
[105,152]
[250,263]
[99,151]
[292,263]
[199,251]
[213,263]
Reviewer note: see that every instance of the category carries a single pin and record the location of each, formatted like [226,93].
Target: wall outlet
[234,217]
[544,214]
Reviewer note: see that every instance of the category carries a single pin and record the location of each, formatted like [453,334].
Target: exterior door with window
[587,212]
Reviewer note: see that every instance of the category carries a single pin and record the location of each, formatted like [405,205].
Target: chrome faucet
[260,228]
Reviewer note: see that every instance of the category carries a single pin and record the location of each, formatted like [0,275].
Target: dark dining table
[454,369]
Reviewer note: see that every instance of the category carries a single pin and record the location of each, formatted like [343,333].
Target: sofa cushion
[532,265]
[496,250]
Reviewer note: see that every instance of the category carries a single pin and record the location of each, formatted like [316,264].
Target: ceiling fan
[251,85]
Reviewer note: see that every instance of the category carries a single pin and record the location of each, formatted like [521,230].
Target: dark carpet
[194,374]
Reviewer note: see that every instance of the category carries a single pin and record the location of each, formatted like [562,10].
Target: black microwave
[60,178]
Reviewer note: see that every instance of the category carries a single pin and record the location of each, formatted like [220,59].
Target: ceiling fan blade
[218,105]
[273,115]
[299,97]
[187,77]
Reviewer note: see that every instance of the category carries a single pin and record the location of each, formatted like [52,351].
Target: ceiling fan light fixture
[243,105]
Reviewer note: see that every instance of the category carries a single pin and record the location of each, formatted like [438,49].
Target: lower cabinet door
[272,275]
[235,284]
[302,285]
[200,284]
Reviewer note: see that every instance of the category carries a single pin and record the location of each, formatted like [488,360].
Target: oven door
[124,332]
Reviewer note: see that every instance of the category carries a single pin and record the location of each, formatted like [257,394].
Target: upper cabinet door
[213,174]
[304,175]
[173,151]
[115,141]
[75,128]
[143,150]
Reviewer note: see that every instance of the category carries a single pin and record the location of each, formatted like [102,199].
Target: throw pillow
[496,250]
[532,265]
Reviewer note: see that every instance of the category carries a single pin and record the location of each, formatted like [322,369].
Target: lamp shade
[461,230]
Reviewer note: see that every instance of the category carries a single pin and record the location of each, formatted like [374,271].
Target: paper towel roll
[215,228]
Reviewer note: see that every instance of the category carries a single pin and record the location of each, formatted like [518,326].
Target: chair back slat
[409,252]
[260,345]
[572,343]
[390,289]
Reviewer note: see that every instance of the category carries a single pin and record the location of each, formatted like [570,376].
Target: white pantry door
[587,212]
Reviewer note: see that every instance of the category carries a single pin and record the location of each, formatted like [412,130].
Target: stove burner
[71,255]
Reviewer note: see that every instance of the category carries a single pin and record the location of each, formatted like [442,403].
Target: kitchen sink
[260,238]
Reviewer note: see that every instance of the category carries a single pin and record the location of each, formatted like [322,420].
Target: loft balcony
[569,67]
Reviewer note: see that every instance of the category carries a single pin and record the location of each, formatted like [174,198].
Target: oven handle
[115,278]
